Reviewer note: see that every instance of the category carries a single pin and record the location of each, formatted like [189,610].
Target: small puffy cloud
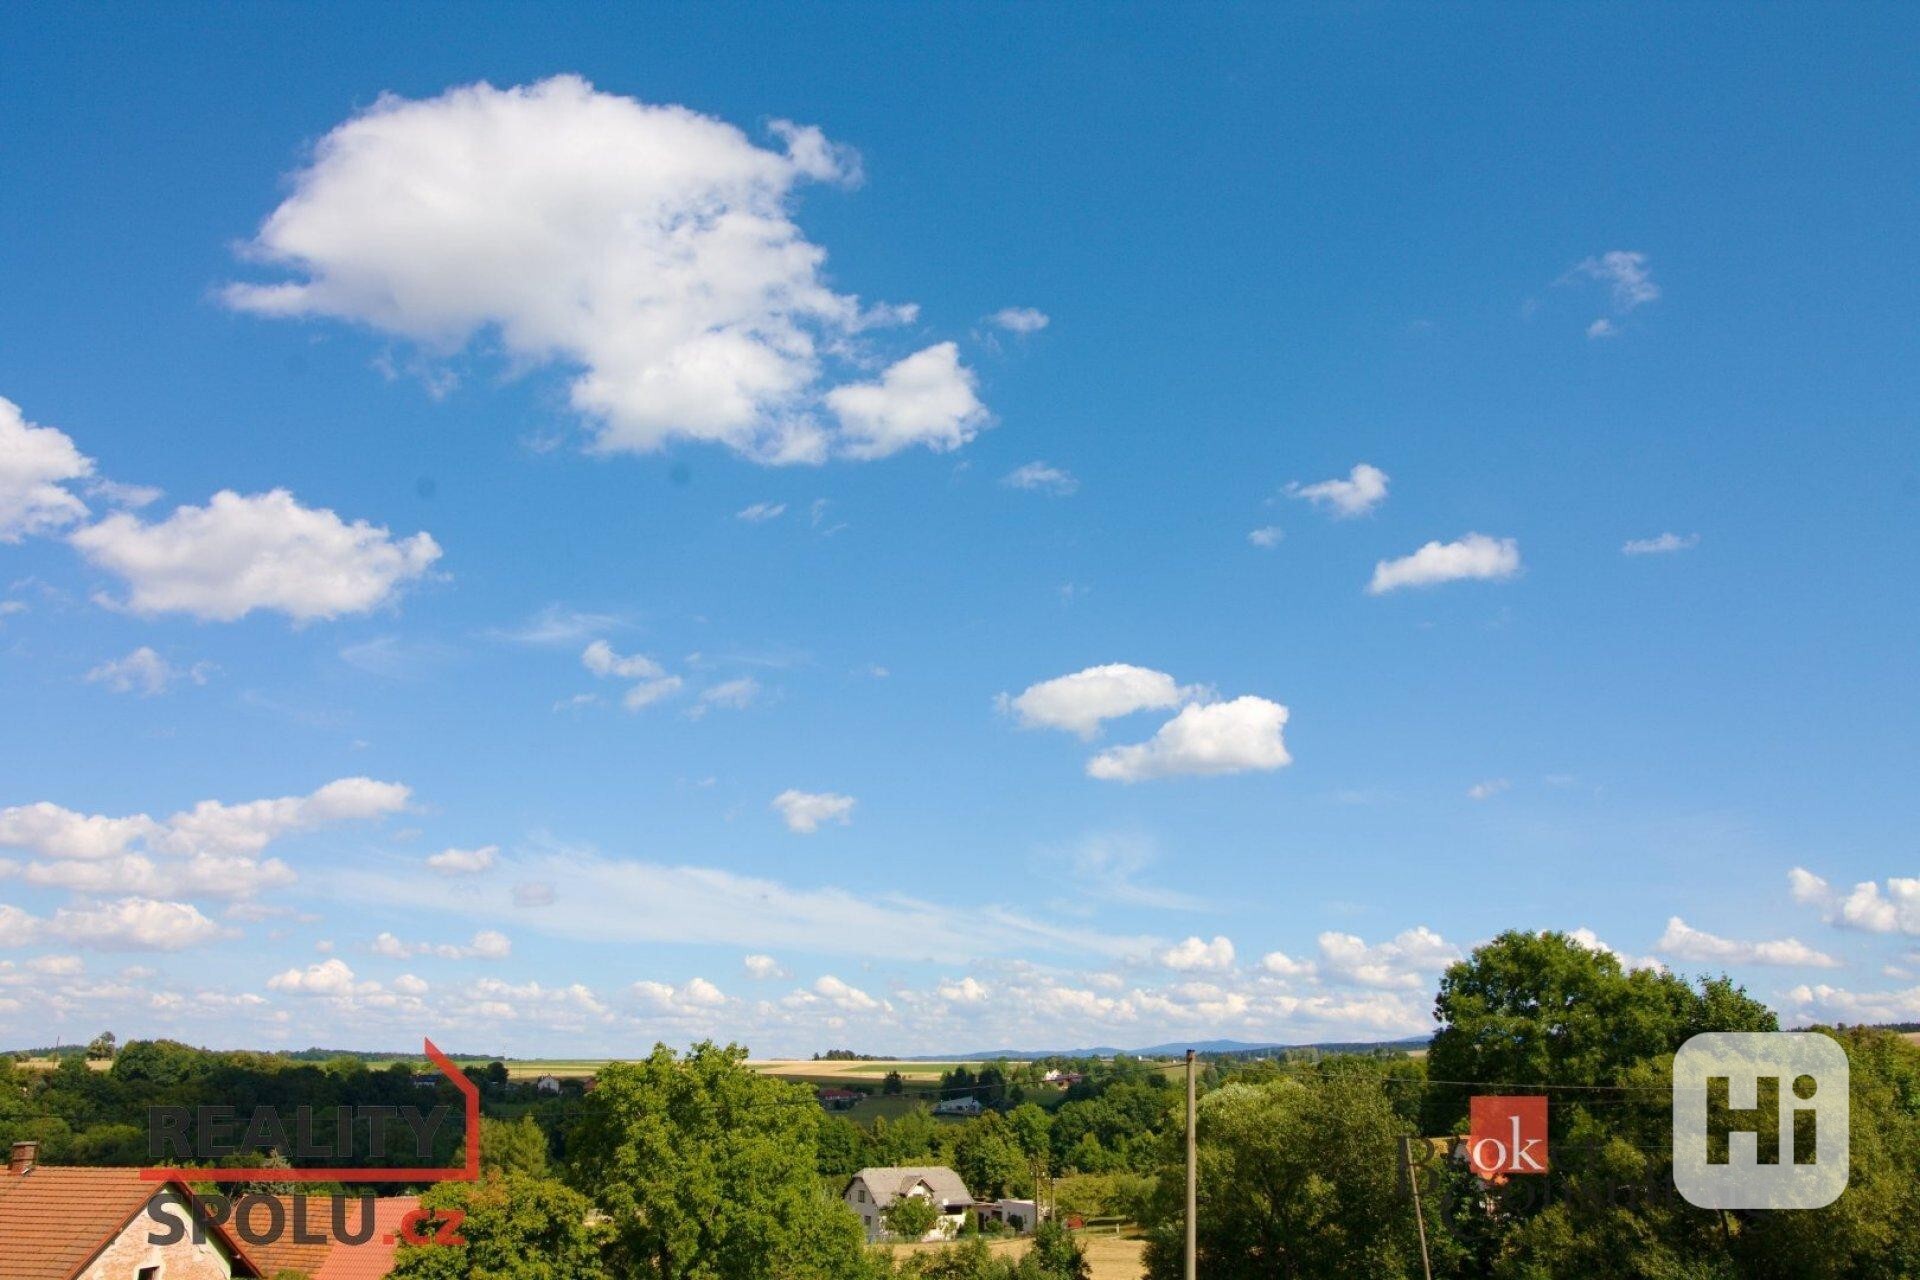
[761,512]
[1282,965]
[925,399]
[1020,319]
[1868,906]
[327,978]
[1603,328]
[1626,275]
[1079,702]
[694,996]
[1041,477]
[1364,489]
[17,928]
[601,660]
[1236,736]
[464,862]
[965,991]
[844,996]
[1684,942]
[805,812]
[1488,789]
[1196,956]
[409,985]
[237,554]
[36,463]
[488,944]
[1592,942]
[1475,556]
[1664,544]
[649,249]
[1267,537]
[763,968]
[144,672]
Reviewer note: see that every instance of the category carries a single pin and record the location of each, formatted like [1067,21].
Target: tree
[988,1158]
[1055,1255]
[101,1047]
[707,1171]
[893,1085]
[516,1227]
[1296,1180]
[513,1146]
[910,1217]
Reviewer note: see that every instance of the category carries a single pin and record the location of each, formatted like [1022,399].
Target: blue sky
[577,299]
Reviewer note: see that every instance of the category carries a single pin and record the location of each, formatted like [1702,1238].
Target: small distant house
[838,1099]
[1021,1216]
[1065,1079]
[871,1191]
[968,1106]
[547,1084]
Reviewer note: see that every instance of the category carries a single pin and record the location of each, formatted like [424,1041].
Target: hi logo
[1507,1136]
[1760,1120]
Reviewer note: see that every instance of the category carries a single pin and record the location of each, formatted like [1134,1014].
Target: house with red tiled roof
[63,1223]
[60,1222]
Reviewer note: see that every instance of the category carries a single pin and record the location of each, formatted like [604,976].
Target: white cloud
[35,465]
[1602,328]
[925,399]
[1474,556]
[1364,489]
[1194,955]
[1488,789]
[1040,477]
[1282,965]
[1592,942]
[17,927]
[238,554]
[488,944]
[1822,1003]
[649,692]
[134,924]
[842,996]
[805,811]
[761,512]
[1079,702]
[464,862]
[1267,537]
[1236,736]
[1407,963]
[1020,319]
[1626,275]
[763,968]
[964,991]
[1662,545]
[697,995]
[600,659]
[731,695]
[327,978]
[1867,906]
[1683,942]
[651,248]
[145,671]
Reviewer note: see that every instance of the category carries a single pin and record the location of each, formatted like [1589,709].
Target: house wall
[181,1260]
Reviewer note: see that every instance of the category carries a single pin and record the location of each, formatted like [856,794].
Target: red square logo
[1507,1136]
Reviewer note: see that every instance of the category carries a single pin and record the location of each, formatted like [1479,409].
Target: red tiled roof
[55,1218]
[334,1259]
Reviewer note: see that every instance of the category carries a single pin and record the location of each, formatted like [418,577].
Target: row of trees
[1301,1172]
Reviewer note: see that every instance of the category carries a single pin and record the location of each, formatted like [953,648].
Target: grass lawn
[1108,1257]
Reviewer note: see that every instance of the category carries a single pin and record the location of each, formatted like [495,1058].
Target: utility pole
[1193,1180]
[1419,1215]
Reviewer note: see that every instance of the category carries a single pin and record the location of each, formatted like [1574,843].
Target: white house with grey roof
[872,1190]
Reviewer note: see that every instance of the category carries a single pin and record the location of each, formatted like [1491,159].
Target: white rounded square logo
[1780,1101]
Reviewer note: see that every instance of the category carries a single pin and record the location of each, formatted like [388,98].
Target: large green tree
[1296,1180]
[707,1172]
[517,1227]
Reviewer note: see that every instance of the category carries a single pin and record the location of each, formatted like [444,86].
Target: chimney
[21,1159]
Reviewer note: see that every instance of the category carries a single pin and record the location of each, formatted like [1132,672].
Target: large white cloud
[1474,556]
[1684,942]
[1079,702]
[127,924]
[649,248]
[35,465]
[1236,736]
[263,551]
